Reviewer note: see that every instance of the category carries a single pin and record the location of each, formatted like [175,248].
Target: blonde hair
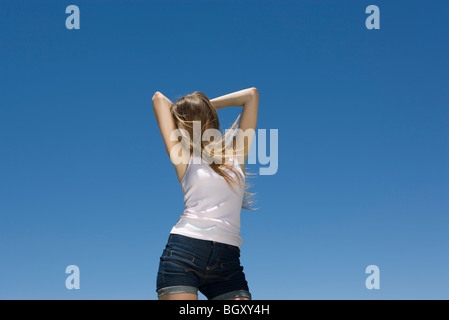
[196,107]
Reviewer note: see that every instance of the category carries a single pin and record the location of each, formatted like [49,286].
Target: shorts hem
[176,290]
[234,294]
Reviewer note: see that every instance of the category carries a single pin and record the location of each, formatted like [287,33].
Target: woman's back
[212,205]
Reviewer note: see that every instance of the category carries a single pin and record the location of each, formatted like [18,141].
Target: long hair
[196,107]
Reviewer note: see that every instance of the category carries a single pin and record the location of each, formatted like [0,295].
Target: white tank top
[212,206]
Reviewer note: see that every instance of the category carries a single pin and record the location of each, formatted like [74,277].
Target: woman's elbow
[254,92]
[157,95]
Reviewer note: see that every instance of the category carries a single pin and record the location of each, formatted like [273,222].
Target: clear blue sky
[363,120]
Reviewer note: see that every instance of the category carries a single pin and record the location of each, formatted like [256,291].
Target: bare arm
[249,99]
[246,98]
[161,108]
[238,98]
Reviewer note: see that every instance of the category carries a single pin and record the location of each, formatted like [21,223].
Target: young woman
[203,249]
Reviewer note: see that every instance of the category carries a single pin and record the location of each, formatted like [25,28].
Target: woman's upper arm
[248,121]
[164,118]
[161,108]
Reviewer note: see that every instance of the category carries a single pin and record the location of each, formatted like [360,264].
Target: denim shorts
[188,265]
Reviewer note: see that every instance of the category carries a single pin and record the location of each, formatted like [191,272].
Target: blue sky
[363,126]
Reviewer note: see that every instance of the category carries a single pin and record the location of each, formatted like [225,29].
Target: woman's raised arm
[237,99]
[249,99]
[161,108]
